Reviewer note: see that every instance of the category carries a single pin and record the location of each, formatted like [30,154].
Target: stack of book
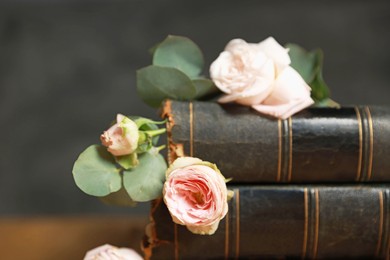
[311,186]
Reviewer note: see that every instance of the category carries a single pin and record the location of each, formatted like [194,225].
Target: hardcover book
[317,145]
[278,221]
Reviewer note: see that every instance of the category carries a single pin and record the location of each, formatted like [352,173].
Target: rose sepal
[128,161]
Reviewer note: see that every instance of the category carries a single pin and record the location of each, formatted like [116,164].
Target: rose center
[198,197]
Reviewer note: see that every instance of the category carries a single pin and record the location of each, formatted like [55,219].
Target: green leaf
[95,172]
[119,198]
[180,53]
[145,182]
[204,87]
[327,103]
[153,48]
[154,84]
[302,61]
[309,66]
[127,161]
[319,89]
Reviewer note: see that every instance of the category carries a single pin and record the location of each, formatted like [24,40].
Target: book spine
[308,222]
[350,144]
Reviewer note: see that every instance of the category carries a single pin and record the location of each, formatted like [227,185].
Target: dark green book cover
[317,145]
[283,221]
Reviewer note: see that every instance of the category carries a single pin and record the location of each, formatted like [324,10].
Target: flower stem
[160,147]
[153,133]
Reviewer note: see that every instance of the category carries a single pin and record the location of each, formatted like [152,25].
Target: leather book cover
[317,145]
[283,221]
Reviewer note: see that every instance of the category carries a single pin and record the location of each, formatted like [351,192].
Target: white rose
[259,75]
[109,252]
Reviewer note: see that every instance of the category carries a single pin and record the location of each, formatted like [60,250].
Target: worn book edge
[150,240]
[175,150]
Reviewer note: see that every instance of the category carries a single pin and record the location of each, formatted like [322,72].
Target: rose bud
[260,75]
[121,138]
[108,252]
[195,194]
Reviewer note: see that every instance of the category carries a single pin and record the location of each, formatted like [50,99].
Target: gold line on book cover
[191,129]
[359,166]
[371,136]
[315,250]
[284,150]
[385,241]
[378,247]
[306,223]
[368,143]
[279,150]
[237,194]
[290,149]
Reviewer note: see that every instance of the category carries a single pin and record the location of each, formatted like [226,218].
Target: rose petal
[121,138]
[182,162]
[129,254]
[119,118]
[235,44]
[204,230]
[258,91]
[251,96]
[290,95]
[276,52]
[109,252]
[220,69]
[285,110]
[289,85]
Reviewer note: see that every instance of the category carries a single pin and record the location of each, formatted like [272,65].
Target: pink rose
[108,252]
[121,138]
[260,76]
[196,195]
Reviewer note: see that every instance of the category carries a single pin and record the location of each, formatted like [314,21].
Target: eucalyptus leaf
[153,48]
[154,84]
[309,66]
[119,198]
[145,182]
[181,53]
[204,87]
[303,61]
[95,172]
[127,161]
[319,89]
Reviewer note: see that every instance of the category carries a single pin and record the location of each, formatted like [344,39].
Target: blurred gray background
[67,67]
